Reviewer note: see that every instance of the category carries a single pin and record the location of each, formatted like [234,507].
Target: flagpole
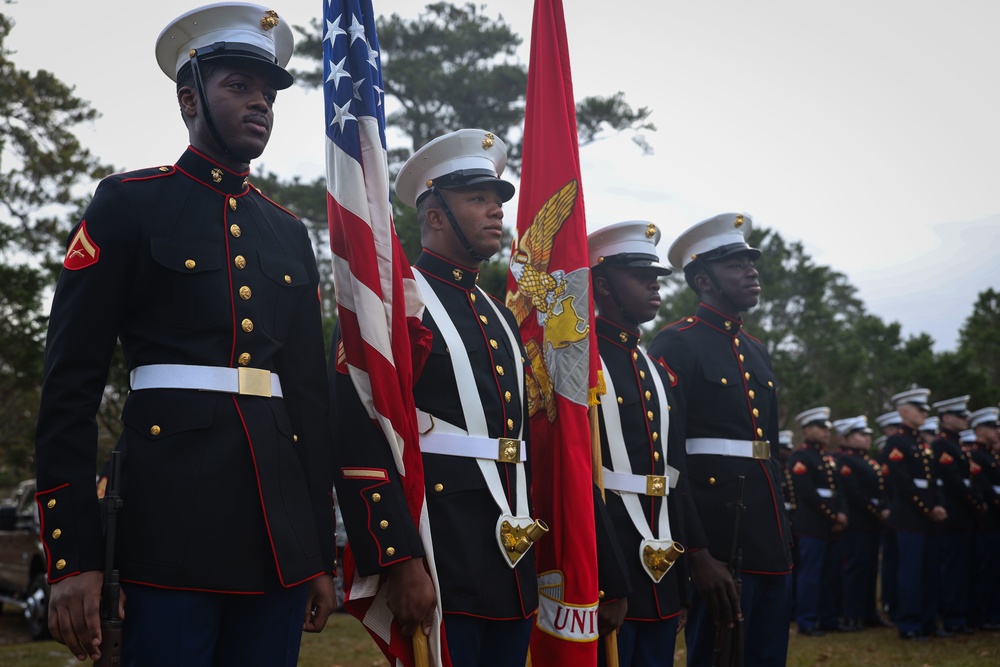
[421,655]
[611,639]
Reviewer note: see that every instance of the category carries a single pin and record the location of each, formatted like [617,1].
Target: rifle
[111,623]
[729,641]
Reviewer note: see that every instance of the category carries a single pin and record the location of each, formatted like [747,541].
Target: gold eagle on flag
[546,293]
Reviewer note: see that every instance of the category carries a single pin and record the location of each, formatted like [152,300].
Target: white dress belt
[640,484]
[242,380]
[440,437]
[749,449]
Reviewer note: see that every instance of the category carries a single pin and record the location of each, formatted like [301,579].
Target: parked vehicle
[22,559]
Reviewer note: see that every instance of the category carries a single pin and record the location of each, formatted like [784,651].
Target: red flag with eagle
[549,293]
[382,341]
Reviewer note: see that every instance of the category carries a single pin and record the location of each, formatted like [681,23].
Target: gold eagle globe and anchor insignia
[558,299]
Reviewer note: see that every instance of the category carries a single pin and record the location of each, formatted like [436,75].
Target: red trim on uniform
[170,171]
[189,588]
[263,511]
[41,533]
[490,618]
[229,274]
[368,523]
[273,203]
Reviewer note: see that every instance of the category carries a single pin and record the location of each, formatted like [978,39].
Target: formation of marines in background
[919,508]
[712,522]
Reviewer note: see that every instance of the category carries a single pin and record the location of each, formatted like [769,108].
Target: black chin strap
[200,87]
[718,288]
[627,316]
[454,225]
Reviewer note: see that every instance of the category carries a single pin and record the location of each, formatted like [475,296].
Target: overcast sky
[865,128]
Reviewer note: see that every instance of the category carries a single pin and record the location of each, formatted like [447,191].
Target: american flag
[379,306]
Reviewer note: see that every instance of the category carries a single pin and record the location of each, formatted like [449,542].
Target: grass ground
[345,644]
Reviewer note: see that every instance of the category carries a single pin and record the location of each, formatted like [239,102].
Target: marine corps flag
[549,293]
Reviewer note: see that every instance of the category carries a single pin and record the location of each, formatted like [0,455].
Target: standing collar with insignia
[614,333]
[717,320]
[447,271]
[212,174]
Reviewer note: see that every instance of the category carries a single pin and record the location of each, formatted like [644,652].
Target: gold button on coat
[288,279]
[61,564]
[190,264]
[235,230]
[439,487]
[751,394]
[232,203]
[760,432]
[746,375]
[656,455]
[391,551]
[756,412]
[649,415]
[711,480]
[247,325]
[240,261]
[642,374]
[51,503]
[619,400]
[56,534]
[506,396]
[154,430]
[736,341]
[472,296]
[245,293]
[244,359]
[648,395]
[482,318]
[383,524]
[741,357]
[376,497]
[725,381]
[510,424]
[656,436]
[499,369]
[493,344]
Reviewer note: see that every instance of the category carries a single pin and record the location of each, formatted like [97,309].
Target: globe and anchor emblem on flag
[559,300]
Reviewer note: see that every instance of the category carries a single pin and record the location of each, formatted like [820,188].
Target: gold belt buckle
[656,485]
[509,450]
[254,382]
[761,449]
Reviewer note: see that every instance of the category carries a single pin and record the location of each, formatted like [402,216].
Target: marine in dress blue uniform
[860,483]
[641,446]
[963,503]
[915,512]
[727,392]
[211,289]
[820,517]
[888,423]
[487,602]
[983,438]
